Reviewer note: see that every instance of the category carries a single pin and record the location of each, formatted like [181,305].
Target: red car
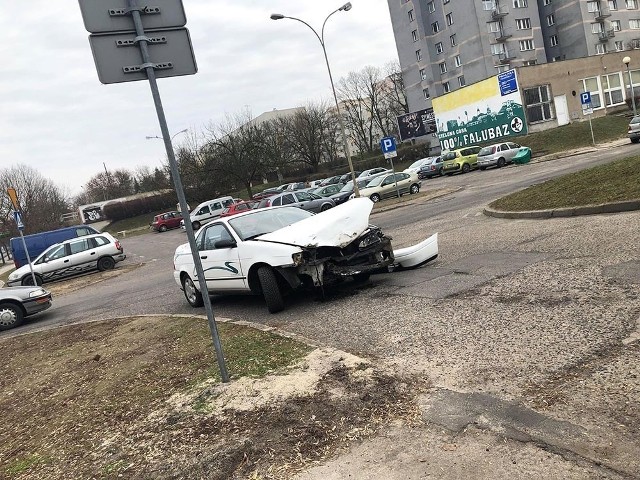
[237,208]
[165,221]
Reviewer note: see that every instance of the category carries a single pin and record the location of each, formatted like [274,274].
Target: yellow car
[462,160]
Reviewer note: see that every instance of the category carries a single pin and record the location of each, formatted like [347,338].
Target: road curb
[614,207]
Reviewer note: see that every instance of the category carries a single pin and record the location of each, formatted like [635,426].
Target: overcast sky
[58,118]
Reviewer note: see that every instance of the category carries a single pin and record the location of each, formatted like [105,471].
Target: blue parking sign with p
[388,144]
[585,98]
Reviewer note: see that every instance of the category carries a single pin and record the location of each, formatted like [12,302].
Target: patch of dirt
[76,283]
[134,398]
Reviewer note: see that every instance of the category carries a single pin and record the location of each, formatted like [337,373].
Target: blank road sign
[117,63]
[101,16]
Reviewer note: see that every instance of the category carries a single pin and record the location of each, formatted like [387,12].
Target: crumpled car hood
[336,227]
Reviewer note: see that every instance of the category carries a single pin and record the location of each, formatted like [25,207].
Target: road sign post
[17,217]
[587,109]
[124,51]
[389,149]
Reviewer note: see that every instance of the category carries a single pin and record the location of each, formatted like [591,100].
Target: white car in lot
[99,251]
[273,250]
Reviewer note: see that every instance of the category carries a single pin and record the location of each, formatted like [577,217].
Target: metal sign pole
[132,7]
[394,176]
[591,127]
[24,245]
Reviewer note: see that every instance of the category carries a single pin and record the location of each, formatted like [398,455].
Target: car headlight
[37,293]
[13,276]
[371,239]
[297,259]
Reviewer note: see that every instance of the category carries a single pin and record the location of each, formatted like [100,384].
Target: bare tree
[110,184]
[42,202]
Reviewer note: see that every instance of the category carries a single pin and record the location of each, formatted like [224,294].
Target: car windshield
[448,156]
[485,151]
[376,181]
[635,119]
[348,187]
[417,163]
[266,221]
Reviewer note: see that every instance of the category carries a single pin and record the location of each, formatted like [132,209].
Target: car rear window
[486,151]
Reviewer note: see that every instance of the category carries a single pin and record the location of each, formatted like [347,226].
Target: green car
[462,160]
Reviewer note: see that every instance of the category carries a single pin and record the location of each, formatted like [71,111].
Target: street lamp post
[172,136]
[627,61]
[346,7]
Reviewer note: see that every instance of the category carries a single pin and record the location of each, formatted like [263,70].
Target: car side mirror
[225,244]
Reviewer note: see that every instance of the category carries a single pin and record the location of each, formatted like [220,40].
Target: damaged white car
[274,250]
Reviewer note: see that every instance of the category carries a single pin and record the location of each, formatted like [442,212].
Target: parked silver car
[16,303]
[99,251]
[634,129]
[497,155]
[305,200]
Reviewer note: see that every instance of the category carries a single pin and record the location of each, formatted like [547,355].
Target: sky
[57,117]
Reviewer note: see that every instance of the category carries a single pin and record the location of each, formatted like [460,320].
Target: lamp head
[346,7]
[277,16]
[626,61]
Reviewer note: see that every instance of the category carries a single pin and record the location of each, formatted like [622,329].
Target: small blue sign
[18,219]
[388,145]
[507,82]
[585,98]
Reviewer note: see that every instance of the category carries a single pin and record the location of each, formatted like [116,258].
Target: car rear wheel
[325,207]
[191,293]
[635,140]
[483,168]
[10,316]
[106,263]
[465,168]
[270,289]
[375,198]
[501,162]
[163,228]
[28,280]
[415,188]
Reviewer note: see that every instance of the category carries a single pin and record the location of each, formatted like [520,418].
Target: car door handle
[66,261]
[93,253]
[203,257]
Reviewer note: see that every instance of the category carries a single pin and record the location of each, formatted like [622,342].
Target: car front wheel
[415,188]
[163,228]
[196,226]
[270,289]
[191,293]
[375,198]
[501,162]
[28,280]
[466,168]
[325,207]
[10,316]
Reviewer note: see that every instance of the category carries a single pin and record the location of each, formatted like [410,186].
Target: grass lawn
[612,182]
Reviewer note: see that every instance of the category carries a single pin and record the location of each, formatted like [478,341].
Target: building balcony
[498,13]
[502,35]
[504,58]
[602,13]
[606,35]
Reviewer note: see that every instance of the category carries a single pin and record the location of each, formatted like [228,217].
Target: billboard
[487,111]
[416,124]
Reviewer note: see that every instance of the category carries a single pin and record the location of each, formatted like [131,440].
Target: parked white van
[207,211]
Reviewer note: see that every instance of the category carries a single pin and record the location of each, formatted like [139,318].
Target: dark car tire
[11,316]
[325,207]
[29,281]
[196,226]
[191,293]
[413,189]
[375,198]
[106,263]
[635,140]
[270,289]
[501,162]
[465,168]
[163,228]
[483,168]
[441,172]
[361,277]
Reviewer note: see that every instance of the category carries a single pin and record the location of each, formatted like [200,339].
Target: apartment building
[444,45]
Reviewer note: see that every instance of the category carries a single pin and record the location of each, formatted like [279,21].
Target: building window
[597,27]
[593,6]
[418,55]
[439,48]
[410,13]
[601,49]
[497,48]
[435,27]
[445,1]
[520,4]
[619,46]
[457,61]
[612,89]
[546,2]
[423,74]
[425,93]
[631,4]
[443,67]
[449,18]
[502,68]
[453,40]
[431,6]
[494,27]
[538,104]
[461,81]
[526,45]
[488,4]
[613,5]
[592,85]
[615,25]
[414,35]
[446,87]
[553,40]
[634,24]
[551,20]
[527,63]
[523,23]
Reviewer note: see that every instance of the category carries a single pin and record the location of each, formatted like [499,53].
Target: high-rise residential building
[444,45]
